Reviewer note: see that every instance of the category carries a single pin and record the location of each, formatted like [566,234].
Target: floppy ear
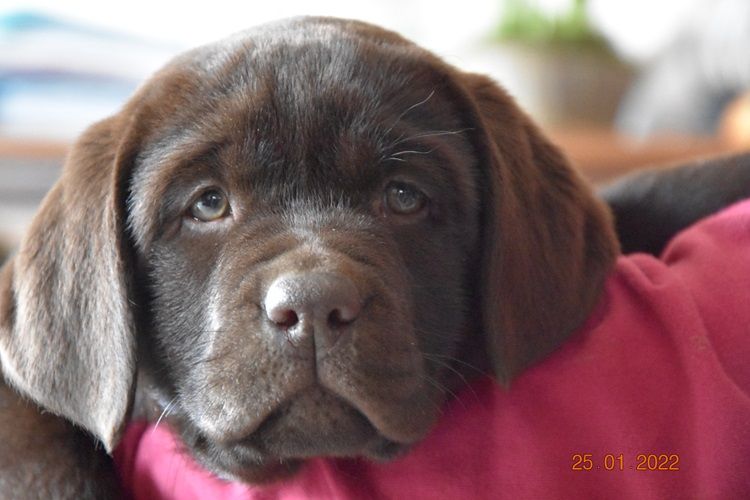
[66,331]
[547,243]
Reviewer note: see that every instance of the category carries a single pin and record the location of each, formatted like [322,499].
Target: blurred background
[618,85]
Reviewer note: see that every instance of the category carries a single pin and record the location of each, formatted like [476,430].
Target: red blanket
[649,399]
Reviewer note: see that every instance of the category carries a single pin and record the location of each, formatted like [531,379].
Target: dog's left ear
[547,242]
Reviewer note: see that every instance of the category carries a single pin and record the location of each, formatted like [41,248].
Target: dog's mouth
[343,405]
[314,423]
[320,423]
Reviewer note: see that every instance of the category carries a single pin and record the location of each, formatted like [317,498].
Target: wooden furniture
[601,155]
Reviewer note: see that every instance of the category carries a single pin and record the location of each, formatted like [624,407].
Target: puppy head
[306,222]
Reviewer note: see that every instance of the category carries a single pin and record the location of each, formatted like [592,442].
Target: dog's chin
[315,424]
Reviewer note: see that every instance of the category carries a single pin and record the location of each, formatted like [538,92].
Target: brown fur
[512,254]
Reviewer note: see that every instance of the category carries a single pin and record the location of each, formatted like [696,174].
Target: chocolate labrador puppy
[289,244]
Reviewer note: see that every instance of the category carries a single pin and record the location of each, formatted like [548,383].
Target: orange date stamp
[620,462]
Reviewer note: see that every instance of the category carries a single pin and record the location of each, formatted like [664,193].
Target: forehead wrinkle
[311,79]
[271,129]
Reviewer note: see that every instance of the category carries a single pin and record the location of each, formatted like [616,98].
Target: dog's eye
[211,205]
[404,199]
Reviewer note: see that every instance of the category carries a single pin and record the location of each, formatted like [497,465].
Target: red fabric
[661,367]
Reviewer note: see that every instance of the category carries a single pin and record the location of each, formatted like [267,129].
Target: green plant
[524,21]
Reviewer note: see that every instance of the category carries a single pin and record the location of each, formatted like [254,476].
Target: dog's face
[302,229]
[307,238]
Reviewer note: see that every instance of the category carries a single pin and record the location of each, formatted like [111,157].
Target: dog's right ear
[66,327]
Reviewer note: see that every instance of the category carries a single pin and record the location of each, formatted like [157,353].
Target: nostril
[279,305]
[285,318]
[341,317]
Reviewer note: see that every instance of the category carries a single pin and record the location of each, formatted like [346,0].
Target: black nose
[316,303]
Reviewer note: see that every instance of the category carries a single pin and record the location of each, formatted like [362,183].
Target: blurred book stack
[56,78]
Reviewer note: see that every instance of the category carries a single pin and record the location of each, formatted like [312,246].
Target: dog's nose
[318,304]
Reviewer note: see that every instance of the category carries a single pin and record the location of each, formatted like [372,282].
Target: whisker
[164,413]
[442,388]
[460,375]
[394,156]
[398,119]
[415,152]
[461,362]
[434,133]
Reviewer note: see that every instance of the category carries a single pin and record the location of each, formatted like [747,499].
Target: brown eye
[211,205]
[404,199]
